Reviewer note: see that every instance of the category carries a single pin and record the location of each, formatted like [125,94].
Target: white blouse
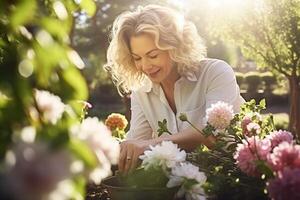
[193,94]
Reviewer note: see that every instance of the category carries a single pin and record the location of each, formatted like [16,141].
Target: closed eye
[153,56]
[136,59]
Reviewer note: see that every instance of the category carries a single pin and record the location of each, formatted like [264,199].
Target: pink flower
[219,115]
[253,129]
[285,155]
[85,104]
[36,170]
[245,121]
[280,136]
[286,185]
[250,151]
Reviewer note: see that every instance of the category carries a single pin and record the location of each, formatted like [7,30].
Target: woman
[158,56]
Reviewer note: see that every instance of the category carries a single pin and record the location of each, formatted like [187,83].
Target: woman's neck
[169,82]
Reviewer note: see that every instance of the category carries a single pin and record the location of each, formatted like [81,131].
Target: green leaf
[55,27]
[89,6]
[208,130]
[83,152]
[76,89]
[264,169]
[262,104]
[163,128]
[23,12]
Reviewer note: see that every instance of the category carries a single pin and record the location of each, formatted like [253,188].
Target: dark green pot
[118,191]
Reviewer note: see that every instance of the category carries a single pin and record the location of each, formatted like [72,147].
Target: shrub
[281,121]
[253,81]
[269,81]
[239,78]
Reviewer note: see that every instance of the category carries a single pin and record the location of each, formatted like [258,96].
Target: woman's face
[155,63]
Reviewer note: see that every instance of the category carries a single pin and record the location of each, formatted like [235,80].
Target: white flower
[98,137]
[50,105]
[166,155]
[188,172]
[219,115]
[195,193]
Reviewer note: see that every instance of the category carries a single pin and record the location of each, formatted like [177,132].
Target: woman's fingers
[128,159]
[135,160]
[122,158]
[129,155]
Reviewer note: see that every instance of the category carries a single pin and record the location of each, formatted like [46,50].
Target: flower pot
[119,191]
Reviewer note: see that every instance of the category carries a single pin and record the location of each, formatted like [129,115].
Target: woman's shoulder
[212,63]
[214,66]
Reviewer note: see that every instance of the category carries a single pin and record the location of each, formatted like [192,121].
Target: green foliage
[281,121]
[268,32]
[35,53]
[151,178]
[162,127]
[253,81]
[269,81]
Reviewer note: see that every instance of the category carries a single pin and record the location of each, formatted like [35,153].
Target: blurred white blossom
[37,170]
[49,105]
[98,137]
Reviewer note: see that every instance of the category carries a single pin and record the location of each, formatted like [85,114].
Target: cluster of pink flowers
[285,155]
[249,152]
[249,126]
[285,185]
[279,152]
[277,137]
[277,149]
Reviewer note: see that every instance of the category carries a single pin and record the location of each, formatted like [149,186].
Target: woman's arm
[187,139]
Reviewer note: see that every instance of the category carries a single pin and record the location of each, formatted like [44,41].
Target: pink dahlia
[286,185]
[253,129]
[285,155]
[249,152]
[280,136]
[219,115]
[245,121]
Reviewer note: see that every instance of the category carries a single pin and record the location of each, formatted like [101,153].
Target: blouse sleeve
[223,86]
[139,126]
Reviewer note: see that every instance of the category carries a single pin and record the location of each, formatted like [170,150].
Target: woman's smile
[154,73]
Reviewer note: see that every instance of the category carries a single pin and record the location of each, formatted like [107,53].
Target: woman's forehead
[142,44]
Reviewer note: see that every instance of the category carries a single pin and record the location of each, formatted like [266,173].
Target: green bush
[239,78]
[269,81]
[253,81]
[281,121]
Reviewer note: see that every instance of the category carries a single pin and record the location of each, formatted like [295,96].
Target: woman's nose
[146,65]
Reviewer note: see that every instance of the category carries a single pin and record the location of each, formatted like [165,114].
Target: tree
[269,32]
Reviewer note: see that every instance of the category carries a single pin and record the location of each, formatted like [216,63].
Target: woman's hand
[130,152]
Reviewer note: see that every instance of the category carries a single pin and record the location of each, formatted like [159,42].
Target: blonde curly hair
[171,31]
